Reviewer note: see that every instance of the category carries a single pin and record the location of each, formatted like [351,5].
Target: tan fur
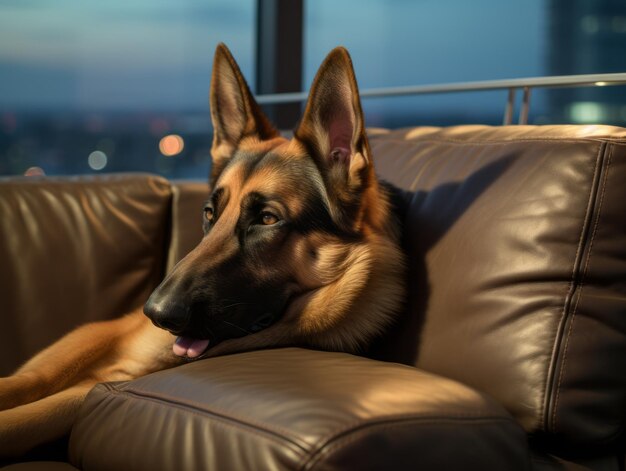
[343,290]
[39,402]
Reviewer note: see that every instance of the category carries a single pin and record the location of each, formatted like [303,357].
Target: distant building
[587,37]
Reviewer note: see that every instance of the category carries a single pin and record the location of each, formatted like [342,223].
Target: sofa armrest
[294,409]
[188,197]
[76,250]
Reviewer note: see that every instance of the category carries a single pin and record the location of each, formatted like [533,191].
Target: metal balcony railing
[512,85]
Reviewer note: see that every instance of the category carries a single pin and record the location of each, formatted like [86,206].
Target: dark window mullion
[279,55]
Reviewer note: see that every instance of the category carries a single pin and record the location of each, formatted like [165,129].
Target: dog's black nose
[167,315]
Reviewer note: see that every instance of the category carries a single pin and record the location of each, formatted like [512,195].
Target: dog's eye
[268,218]
[208,213]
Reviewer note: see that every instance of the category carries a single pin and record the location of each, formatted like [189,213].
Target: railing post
[523,113]
[508,111]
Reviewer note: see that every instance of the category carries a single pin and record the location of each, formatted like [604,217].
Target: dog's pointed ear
[234,112]
[333,131]
[332,125]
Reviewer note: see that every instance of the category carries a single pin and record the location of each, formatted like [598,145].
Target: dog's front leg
[118,349]
[29,425]
[42,399]
[64,363]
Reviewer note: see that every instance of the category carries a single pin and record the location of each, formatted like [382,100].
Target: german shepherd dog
[303,224]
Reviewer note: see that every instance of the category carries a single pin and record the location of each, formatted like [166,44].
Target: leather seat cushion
[294,409]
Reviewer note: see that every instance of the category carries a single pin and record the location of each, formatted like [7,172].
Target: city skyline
[91,87]
[156,55]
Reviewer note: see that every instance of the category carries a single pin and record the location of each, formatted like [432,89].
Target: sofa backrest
[81,249]
[517,255]
[516,238]
[188,198]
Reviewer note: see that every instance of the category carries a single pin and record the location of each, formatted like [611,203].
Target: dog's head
[285,222]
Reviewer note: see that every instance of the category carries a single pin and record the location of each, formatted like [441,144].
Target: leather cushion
[294,409]
[188,198]
[517,254]
[75,250]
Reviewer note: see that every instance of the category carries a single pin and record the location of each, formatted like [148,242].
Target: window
[89,87]
[405,42]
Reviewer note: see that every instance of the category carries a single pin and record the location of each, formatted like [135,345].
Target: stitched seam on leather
[352,434]
[582,140]
[558,339]
[279,430]
[250,426]
[284,434]
[581,286]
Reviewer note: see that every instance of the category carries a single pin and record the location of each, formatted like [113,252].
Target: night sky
[156,54]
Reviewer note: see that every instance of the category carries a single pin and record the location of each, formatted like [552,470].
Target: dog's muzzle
[166,314]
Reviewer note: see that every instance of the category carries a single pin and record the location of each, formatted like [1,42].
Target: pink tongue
[192,348]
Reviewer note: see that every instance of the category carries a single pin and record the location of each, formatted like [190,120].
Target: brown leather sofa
[510,354]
